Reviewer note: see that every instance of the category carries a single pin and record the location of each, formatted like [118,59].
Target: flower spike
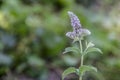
[75,22]
[78,31]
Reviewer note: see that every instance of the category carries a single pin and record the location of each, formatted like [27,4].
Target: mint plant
[78,36]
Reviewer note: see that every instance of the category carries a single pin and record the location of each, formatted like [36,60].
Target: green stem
[80,78]
[80,42]
[81,49]
[82,57]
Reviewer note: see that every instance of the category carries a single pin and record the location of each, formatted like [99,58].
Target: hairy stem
[80,78]
[82,57]
[80,42]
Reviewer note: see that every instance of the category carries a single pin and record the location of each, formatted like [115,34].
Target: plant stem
[80,42]
[82,57]
[80,78]
[81,49]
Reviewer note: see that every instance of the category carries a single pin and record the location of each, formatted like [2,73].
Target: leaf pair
[79,71]
[89,48]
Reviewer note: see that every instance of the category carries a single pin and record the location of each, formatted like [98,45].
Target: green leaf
[85,68]
[68,71]
[72,49]
[90,44]
[93,49]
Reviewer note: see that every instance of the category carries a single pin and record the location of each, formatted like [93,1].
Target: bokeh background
[32,38]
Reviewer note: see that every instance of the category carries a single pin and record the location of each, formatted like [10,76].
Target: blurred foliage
[32,38]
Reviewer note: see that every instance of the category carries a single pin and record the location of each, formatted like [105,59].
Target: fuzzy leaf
[93,49]
[90,44]
[71,49]
[68,71]
[85,68]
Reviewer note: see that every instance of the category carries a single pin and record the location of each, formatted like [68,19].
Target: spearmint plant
[78,36]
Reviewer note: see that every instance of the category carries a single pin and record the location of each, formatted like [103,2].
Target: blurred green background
[32,38]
